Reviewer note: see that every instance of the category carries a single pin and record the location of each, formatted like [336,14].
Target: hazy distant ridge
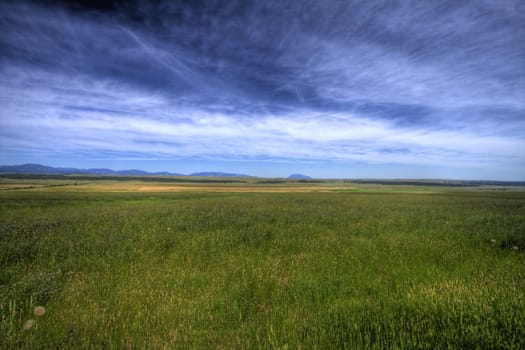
[44,169]
[299,176]
[218,174]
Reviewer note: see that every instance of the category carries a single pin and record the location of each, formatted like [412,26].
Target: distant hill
[218,174]
[29,169]
[134,172]
[44,169]
[299,176]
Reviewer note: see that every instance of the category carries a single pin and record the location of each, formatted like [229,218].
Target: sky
[331,89]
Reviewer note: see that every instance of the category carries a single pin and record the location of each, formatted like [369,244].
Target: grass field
[253,265]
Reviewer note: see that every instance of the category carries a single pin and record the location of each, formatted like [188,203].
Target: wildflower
[28,324]
[40,311]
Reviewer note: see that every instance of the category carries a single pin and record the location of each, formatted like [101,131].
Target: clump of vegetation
[262,270]
[516,240]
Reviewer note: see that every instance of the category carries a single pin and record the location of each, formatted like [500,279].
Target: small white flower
[40,311]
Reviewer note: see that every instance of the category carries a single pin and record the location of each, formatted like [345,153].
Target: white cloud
[151,124]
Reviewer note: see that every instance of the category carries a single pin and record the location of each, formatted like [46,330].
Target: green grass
[267,270]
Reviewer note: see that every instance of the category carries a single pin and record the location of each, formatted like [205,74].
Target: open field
[140,264]
[119,183]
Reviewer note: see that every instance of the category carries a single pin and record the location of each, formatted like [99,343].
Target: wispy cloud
[408,83]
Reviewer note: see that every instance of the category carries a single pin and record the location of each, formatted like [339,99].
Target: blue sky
[382,89]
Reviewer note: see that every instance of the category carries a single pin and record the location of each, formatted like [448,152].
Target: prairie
[251,265]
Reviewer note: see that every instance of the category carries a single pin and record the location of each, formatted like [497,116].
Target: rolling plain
[257,263]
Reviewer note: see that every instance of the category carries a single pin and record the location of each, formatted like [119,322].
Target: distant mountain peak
[217,174]
[299,176]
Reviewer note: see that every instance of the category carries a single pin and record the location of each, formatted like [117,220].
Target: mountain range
[44,169]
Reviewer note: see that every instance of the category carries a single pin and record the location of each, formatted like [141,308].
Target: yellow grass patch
[96,185]
[163,187]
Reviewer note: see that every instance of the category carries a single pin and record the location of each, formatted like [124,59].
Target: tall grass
[301,270]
